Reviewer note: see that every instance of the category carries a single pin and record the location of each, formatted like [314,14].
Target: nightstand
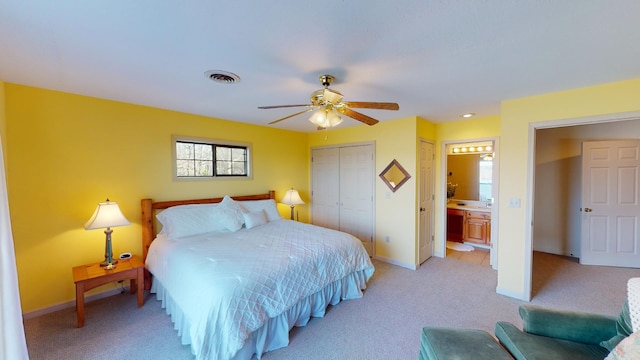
[93,275]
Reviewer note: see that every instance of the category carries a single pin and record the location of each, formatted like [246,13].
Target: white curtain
[12,341]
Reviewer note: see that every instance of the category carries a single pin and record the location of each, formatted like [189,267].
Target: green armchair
[556,334]
[546,334]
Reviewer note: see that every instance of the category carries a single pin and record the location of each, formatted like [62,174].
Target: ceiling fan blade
[359,116]
[282,106]
[372,105]
[290,116]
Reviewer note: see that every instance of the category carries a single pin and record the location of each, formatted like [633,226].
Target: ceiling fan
[328,106]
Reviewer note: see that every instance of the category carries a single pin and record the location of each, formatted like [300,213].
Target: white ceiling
[436,59]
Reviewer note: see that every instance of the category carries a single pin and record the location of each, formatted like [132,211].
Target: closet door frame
[368,243]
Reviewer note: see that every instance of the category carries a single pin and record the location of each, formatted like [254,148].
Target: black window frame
[215,145]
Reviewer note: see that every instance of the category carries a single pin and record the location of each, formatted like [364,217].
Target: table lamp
[107,215]
[292,198]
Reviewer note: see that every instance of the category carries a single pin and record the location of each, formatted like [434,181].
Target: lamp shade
[107,215]
[292,198]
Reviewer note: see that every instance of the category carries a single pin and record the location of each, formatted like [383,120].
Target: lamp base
[106,263]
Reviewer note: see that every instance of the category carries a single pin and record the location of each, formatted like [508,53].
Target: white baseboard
[395,262]
[512,294]
[72,303]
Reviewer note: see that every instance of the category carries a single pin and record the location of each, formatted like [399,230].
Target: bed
[235,277]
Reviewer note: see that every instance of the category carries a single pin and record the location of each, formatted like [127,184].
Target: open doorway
[556,182]
[470,178]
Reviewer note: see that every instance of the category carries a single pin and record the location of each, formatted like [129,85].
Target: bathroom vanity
[469,222]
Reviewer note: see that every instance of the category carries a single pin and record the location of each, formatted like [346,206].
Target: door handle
[422,209]
[587,210]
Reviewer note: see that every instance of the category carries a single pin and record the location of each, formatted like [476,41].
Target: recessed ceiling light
[468,115]
[221,76]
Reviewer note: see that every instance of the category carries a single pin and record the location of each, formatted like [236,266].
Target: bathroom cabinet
[455,223]
[477,227]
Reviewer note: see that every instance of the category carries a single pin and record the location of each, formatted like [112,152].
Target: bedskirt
[274,334]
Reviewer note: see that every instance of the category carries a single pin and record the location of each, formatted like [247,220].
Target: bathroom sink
[467,206]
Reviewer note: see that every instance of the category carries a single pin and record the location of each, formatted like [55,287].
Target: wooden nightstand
[90,276]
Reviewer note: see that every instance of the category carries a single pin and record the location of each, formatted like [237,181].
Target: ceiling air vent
[223,77]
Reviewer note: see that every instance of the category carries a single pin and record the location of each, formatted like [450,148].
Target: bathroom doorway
[470,179]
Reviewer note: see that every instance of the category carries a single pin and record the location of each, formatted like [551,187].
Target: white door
[325,187]
[356,193]
[425,235]
[611,203]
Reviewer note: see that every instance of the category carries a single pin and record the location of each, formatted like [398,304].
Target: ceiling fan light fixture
[328,107]
[325,118]
[331,96]
[333,118]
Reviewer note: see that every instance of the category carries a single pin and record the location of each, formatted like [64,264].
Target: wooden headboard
[148,211]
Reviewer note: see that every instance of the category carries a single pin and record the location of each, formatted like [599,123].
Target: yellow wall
[395,213]
[426,129]
[517,115]
[481,127]
[67,152]
[3,122]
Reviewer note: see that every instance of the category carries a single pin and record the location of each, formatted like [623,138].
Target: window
[485,182]
[204,158]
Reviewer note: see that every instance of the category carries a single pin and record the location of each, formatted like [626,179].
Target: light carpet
[384,324]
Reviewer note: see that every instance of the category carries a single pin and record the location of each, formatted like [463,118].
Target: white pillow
[255,218]
[229,214]
[633,296]
[187,220]
[269,206]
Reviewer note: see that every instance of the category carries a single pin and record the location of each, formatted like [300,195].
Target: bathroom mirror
[394,175]
[470,171]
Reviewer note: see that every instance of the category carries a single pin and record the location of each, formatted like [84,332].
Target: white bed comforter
[229,284]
